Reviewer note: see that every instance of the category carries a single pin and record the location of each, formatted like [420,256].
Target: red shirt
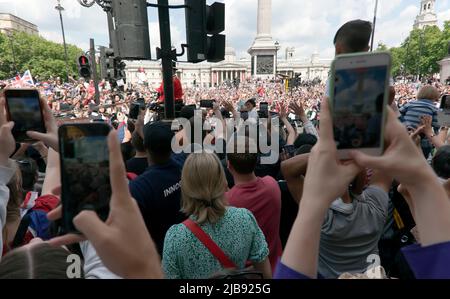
[177,89]
[263,198]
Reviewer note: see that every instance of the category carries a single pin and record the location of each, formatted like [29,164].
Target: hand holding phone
[112,239]
[24,108]
[84,171]
[445,103]
[444,113]
[136,107]
[358,100]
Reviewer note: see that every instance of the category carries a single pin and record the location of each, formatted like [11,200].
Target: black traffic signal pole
[166,58]
[94,71]
[112,33]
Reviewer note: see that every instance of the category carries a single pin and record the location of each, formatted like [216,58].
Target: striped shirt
[412,111]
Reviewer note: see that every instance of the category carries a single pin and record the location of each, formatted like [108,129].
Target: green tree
[382,47]
[45,59]
[421,51]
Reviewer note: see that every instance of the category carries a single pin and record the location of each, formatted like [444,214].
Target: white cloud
[307,25]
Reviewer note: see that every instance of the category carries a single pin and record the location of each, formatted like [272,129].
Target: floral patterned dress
[237,233]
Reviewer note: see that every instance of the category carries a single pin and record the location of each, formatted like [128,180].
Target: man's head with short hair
[241,159]
[158,141]
[353,37]
[187,112]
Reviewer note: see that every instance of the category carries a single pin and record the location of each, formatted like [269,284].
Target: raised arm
[404,161]
[327,178]
[293,171]
[381,180]
[292,134]
[229,106]
[436,140]
[297,109]
[52,173]
[221,133]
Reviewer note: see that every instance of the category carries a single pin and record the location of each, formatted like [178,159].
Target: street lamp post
[419,60]
[374,25]
[9,34]
[60,9]
[277,47]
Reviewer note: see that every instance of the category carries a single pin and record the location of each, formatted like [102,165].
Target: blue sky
[307,25]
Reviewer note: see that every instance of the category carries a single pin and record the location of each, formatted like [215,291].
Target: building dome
[230,54]
[229,51]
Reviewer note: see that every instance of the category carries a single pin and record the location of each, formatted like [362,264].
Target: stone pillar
[445,69]
[264,17]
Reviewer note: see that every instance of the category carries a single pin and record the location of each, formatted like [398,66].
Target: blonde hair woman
[235,231]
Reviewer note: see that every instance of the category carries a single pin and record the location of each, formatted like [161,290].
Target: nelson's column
[264,50]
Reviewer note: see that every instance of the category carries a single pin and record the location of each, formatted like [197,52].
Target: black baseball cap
[187,112]
[158,138]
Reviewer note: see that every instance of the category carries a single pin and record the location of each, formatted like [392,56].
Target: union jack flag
[27,79]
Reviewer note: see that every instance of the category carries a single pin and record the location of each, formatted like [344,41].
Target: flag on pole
[27,78]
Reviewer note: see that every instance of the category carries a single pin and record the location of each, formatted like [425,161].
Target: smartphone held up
[444,111]
[23,107]
[84,159]
[209,104]
[359,92]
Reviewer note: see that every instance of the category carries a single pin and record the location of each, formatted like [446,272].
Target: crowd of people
[216,214]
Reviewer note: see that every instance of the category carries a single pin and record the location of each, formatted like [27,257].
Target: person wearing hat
[157,191]
[177,89]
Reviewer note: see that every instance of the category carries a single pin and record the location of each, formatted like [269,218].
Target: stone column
[264,17]
[445,69]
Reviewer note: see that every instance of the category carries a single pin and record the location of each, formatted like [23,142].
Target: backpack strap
[203,237]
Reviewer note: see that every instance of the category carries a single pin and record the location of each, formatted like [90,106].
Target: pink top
[263,198]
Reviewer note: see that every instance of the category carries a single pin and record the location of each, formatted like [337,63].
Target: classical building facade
[9,22]
[427,15]
[263,62]
[212,74]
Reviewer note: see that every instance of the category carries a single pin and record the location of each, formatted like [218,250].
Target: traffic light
[106,67]
[120,69]
[204,24]
[131,23]
[110,68]
[215,24]
[84,67]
